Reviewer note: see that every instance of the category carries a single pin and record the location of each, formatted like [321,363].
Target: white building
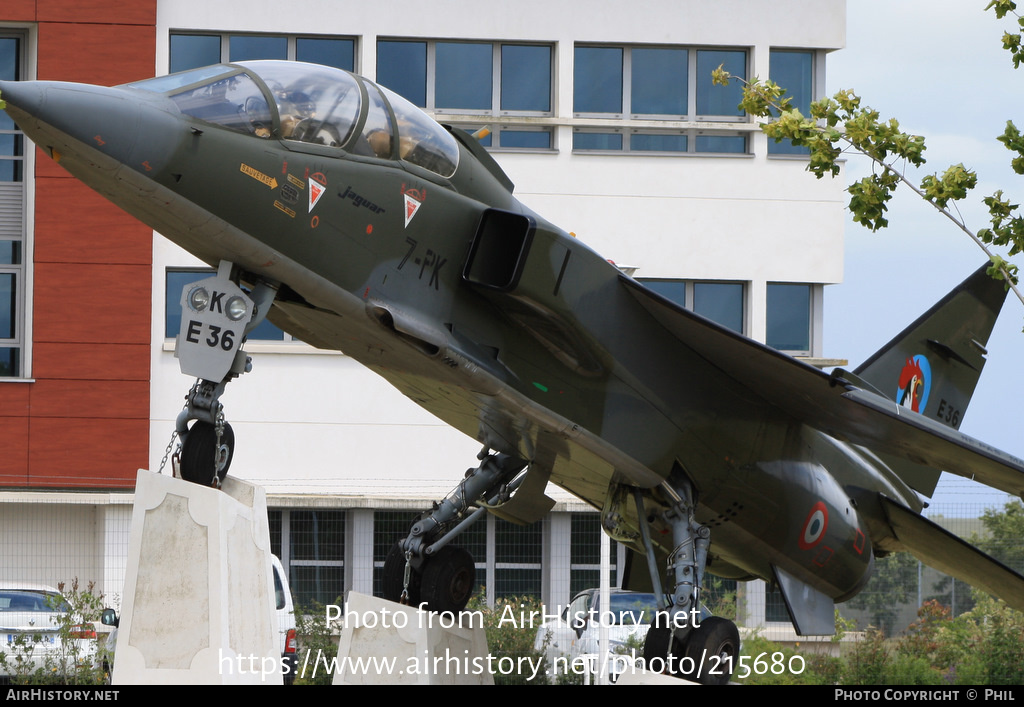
[605,118]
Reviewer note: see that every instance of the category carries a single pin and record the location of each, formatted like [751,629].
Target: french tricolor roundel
[814,527]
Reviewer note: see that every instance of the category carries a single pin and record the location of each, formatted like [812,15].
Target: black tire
[712,650]
[448,580]
[197,453]
[662,653]
[393,581]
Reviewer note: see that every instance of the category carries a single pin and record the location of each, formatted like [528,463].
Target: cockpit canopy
[311,104]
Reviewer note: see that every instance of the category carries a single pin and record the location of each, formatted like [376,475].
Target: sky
[938,67]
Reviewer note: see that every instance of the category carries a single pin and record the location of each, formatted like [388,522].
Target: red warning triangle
[316,190]
[411,207]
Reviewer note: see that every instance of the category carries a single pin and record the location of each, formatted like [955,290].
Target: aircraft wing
[938,548]
[832,404]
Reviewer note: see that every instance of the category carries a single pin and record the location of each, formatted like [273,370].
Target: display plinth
[198,604]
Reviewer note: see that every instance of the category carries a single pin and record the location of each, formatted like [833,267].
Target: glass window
[793,71]
[8,305]
[463,76]
[585,552]
[402,67]
[736,144]
[674,290]
[655,81]
[12,218]
[597,80]
[261,46]
[720,100]
[596,141]
[525,78]
[535,139]
[191,51]
[657,142]
[460,76]
[517,558]
[721,302]
[658,81]
[316,555]
[339,53]
[789,317]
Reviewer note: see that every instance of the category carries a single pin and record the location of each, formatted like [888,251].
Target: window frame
[785,149]
[496,118]
[291,39]
[689,297]
[812,306]
[691,115]
[691,136]
[20,196]
[495,111]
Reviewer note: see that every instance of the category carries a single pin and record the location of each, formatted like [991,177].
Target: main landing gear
[684,640]
[422,568]
[217,315]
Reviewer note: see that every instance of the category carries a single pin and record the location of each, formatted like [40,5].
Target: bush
[318,638]
[76,660]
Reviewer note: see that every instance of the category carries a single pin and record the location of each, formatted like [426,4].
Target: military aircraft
[355,222]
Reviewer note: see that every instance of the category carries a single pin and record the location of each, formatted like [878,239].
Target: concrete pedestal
[384,643]
[198,603]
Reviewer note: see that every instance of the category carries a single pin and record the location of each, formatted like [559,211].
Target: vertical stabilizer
[932,367]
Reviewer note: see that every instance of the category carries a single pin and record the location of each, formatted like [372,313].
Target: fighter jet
[355,222]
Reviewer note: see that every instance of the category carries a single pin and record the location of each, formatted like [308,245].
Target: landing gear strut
[217,315]
[423,568]
[680,642]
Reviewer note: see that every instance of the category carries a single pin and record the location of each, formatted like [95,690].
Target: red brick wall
[84,422]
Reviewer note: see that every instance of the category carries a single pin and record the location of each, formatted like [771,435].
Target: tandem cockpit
[310,104]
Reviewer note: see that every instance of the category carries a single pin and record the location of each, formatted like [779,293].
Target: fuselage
[401,244]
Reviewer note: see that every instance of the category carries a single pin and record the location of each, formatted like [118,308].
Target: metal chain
[219,429]
[167,452]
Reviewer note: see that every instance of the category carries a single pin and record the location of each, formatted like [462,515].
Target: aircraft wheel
[661,651]
[448,580]
[712,649]
[393,581]
[201,457]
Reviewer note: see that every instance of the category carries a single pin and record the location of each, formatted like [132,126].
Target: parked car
[576,631]
[38,631]
[285,621]
[285,625]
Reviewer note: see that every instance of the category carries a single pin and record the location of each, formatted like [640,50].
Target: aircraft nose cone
[23,97]
[97,125]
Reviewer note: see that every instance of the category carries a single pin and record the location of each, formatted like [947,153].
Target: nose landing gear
[217,315]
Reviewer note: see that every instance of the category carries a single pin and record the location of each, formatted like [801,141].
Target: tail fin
[933,366]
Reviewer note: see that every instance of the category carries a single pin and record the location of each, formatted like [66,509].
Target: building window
[501,81]
[191,51]
[670,83]
[585,553]
[175,282]
[311,547]
[679,141]
[468,77]
[517,559]
[793,71]
[721,302]
[789,318]
[12,219]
